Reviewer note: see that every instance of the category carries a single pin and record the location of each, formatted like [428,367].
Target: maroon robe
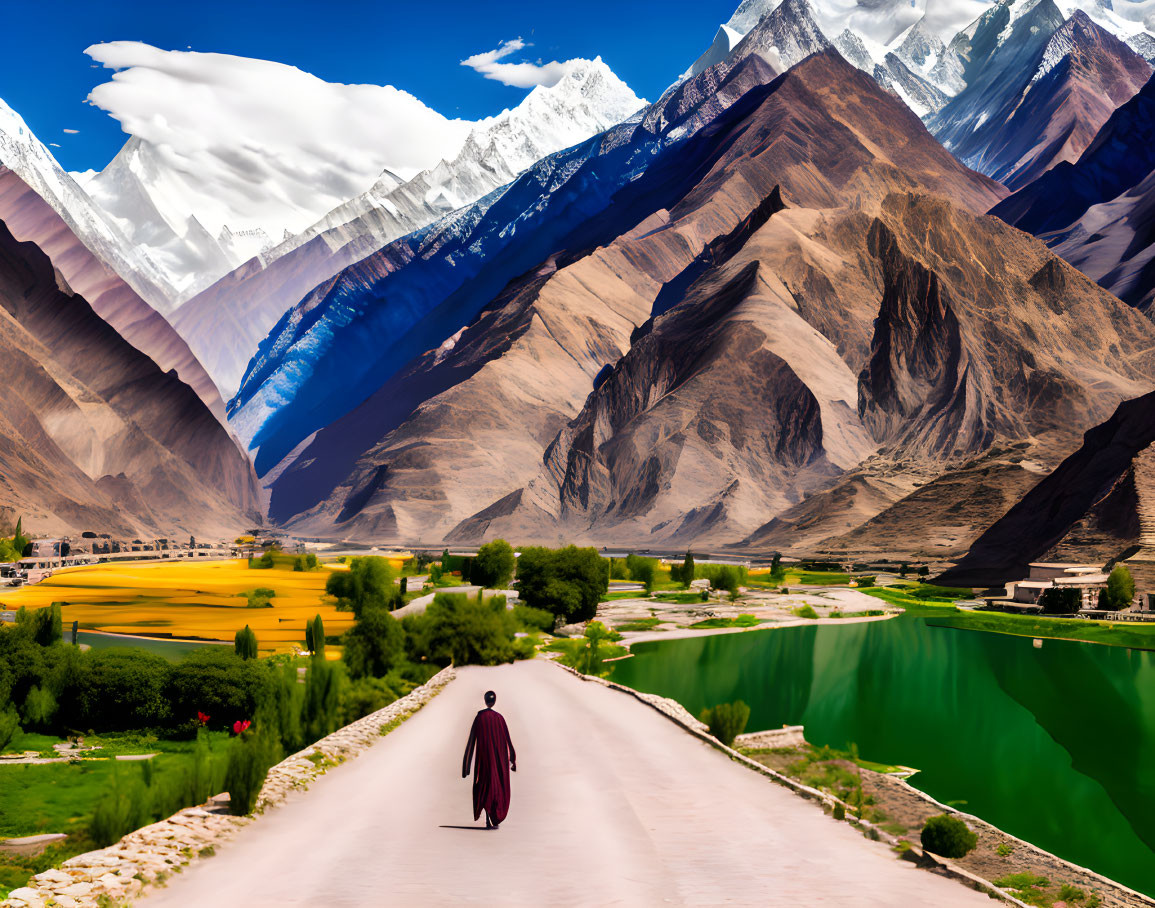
[495,754]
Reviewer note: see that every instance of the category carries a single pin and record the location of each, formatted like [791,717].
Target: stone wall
[150,855]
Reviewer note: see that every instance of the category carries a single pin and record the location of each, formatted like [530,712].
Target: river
[1055,745]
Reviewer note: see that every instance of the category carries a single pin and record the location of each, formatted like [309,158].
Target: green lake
[1054,745]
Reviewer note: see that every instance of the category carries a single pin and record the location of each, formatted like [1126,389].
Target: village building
[1024,595]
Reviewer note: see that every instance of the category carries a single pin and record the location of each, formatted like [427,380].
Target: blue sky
[415,46]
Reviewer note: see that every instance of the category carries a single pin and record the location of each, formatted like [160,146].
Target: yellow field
[187,600]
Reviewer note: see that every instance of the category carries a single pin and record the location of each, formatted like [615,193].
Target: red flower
[203,718]
[241,726]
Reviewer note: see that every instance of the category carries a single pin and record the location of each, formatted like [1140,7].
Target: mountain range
[768,311]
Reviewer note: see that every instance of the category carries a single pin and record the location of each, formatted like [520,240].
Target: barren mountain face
[93,432]
[1099,504]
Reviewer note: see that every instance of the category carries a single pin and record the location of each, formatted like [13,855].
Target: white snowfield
[612,804]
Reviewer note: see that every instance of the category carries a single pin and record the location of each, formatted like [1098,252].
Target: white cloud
[71,132]
[249,142]
[519,75]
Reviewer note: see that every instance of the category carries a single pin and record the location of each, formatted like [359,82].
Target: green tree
[597,634]
[299,563]
[465,631]
[494,564]
[75,631]
[728,577]
[404,585]
[904,569]
[245,643]
[321,711]
[308,636]
[1060,601]
[318,636]
[727,720]
[47,626]
[9,725]
[251,755]
[688,574]
[369,581]
[39,708]
[310,562]
[642,570]
[374,645]
[777,572]
[1120,590]
[214,680]
[569,582]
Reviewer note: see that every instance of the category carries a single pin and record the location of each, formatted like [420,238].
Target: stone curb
[679,715]
[118,874]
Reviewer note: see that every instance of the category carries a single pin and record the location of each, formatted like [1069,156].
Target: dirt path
[612,805]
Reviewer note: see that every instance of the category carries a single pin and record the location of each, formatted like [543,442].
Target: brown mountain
[805,334]
[513,378]
[30,219]
[93,434]
[1098,505]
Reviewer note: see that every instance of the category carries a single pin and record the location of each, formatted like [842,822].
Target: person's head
[490,698]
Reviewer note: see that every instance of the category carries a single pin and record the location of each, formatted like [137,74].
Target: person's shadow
[472,828]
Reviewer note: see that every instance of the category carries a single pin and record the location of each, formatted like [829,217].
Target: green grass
[27,740]
[639,624]
[614,595]
[683,598]
[740,621]
[795,577]
[1133,635]
[61,797]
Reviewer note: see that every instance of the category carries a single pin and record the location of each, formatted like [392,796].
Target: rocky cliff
[94,434]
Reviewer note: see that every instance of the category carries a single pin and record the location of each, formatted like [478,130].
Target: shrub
[213,680]
[251,755]
[1058,601]
[320,713]
[642,570]
[125,805]
[367,695]
[459,629]
[47,627]
[1022,882]
[493,566]
[727,720]
[202,777]
[865,582]
[369,581]
[245,643]
[9,725]
[1120,590]
[567,582]
[1004,849]
[806,611]
[374,645]
[839,811]
[528,618]
[948,836]
[115,689]
[39,707]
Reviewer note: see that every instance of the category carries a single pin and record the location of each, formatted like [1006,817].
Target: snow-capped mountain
[925,51]
[587,100]
[27,157]
[339,344]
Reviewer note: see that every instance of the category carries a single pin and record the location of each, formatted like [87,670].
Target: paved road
[612,805]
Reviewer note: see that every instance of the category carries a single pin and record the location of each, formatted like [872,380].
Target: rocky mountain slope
[1097,212]
[1023,116]
[27,157]
[225,322]
[31,219]
[795,306]
[1099,504]
[93,433]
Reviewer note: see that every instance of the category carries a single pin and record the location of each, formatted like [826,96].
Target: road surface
[613,804]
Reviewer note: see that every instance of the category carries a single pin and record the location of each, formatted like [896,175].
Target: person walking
[495,758]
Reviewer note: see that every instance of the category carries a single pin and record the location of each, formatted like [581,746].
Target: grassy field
[61,797]
[202,601]
[1121,633]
